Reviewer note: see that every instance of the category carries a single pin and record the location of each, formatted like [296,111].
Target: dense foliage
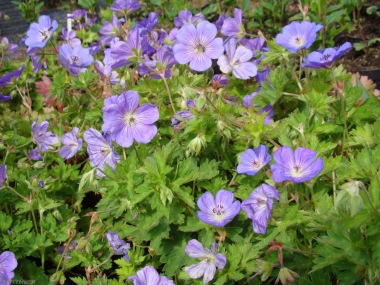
[203,153]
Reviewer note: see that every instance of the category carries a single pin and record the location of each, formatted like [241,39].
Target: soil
[369,26]
[354,60]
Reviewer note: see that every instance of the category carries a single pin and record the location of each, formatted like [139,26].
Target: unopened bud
[356,203]
[39,165]
[286,276]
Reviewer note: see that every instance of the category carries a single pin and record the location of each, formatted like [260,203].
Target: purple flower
[219,80]
[234,26]
[8,49]
[160,65]
[253,160]
[219,23]
[71,144]
[40,184]
[258,207]
[198,45]
[319,59]
[39,34]
[34,154]
[3,175]
[7,78]
[44,139]
[149,276]
[269,109]
[118,245]
[218,211]
[35,55]
[127,121]
[60,250]
[128,51]
[88,20]
[77,14]
[168,39]
[69,37]
[94,48]
[125,6]
[237,61]
[74,58]
[206,267]
[8,263]
[185,17]
[184,116]
[262,76]
[147,24]
[296,36]
[100,150]
[253,44]
[298,167]
[110,30]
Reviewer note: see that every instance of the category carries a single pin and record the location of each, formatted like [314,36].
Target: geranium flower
[185,17]
[185,115]
[36,57]
[34,154]
[77,14]
[233,27]
[149,276]
[160,66]
[125,6]
[219,23]
[126,121]
[145,26]
[3,175]
[218,211]
[7,78]
[44,139]
[319,59]
[168,39]
[8,263]
[71,144]
[100,150]
[206,267]
[236,61]
[118,245]
[253,160]
[198,45]
[70,38]
[219,80]
[8,49]
[75,58]
[296,36]
[298,167]
[259,205]
[39,34]
[110,30]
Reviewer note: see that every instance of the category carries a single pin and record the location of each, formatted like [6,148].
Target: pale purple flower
[259,205]
[319,59]
[34,154]
[126,121]
[236,61]
[110,30]
[262,76]
[253,44]
[8,49]
[253,160]
[118,245]
[165,58]
[298,167]
[234,26]
[296,36]
[198,45]
[145,26]
[168,39]
[100,150]
[70,38]
[185,17]
[125,6]
[206,267]
[105,70]
[218,211]
[219,23]
[75,58]
[114,78]
[39,34]
[3,175]
[77,14]
[6,80]
[149,276]
[44,139]
[269,109]
[71,144]
[8,263]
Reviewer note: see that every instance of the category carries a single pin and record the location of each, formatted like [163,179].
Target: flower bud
[196,144]
[356,203]
[39,165]
[22,164]
[286,276]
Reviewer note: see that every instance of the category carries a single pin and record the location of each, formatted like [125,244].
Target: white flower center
[298,41]
[199,48]
[256,164]
[44,35]
[297,171]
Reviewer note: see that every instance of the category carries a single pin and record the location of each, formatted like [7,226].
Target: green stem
[33,216]
[300,251]
[368,197]
[313,197]
[64,252]
[170,96]
[24,144]
[22,197]
[137,154]
[108,258]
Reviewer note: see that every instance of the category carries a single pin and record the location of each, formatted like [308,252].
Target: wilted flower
[206,267]
[254,160]
[61,250]
[234,26]
[145,26]
[126,121]
[236,61]
[3,175]
[259,205]
[160,66]
[40,184]
[110,30]
[36,56]
[286,276]
[168,39]
[39,34]
[77,14]
[218,211]
[94,48]
[100,150]
[296,36]
[149,276]
[118,245]
[125,6]
[198,45]
[219,80]
[7,78]
[44,139]
[34,154]
[319,59]
[298,167]
[70,38]
[74,58]
[247,101]
[8,49]
[185,17]
[183,116]
[71,144]
[8,263]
